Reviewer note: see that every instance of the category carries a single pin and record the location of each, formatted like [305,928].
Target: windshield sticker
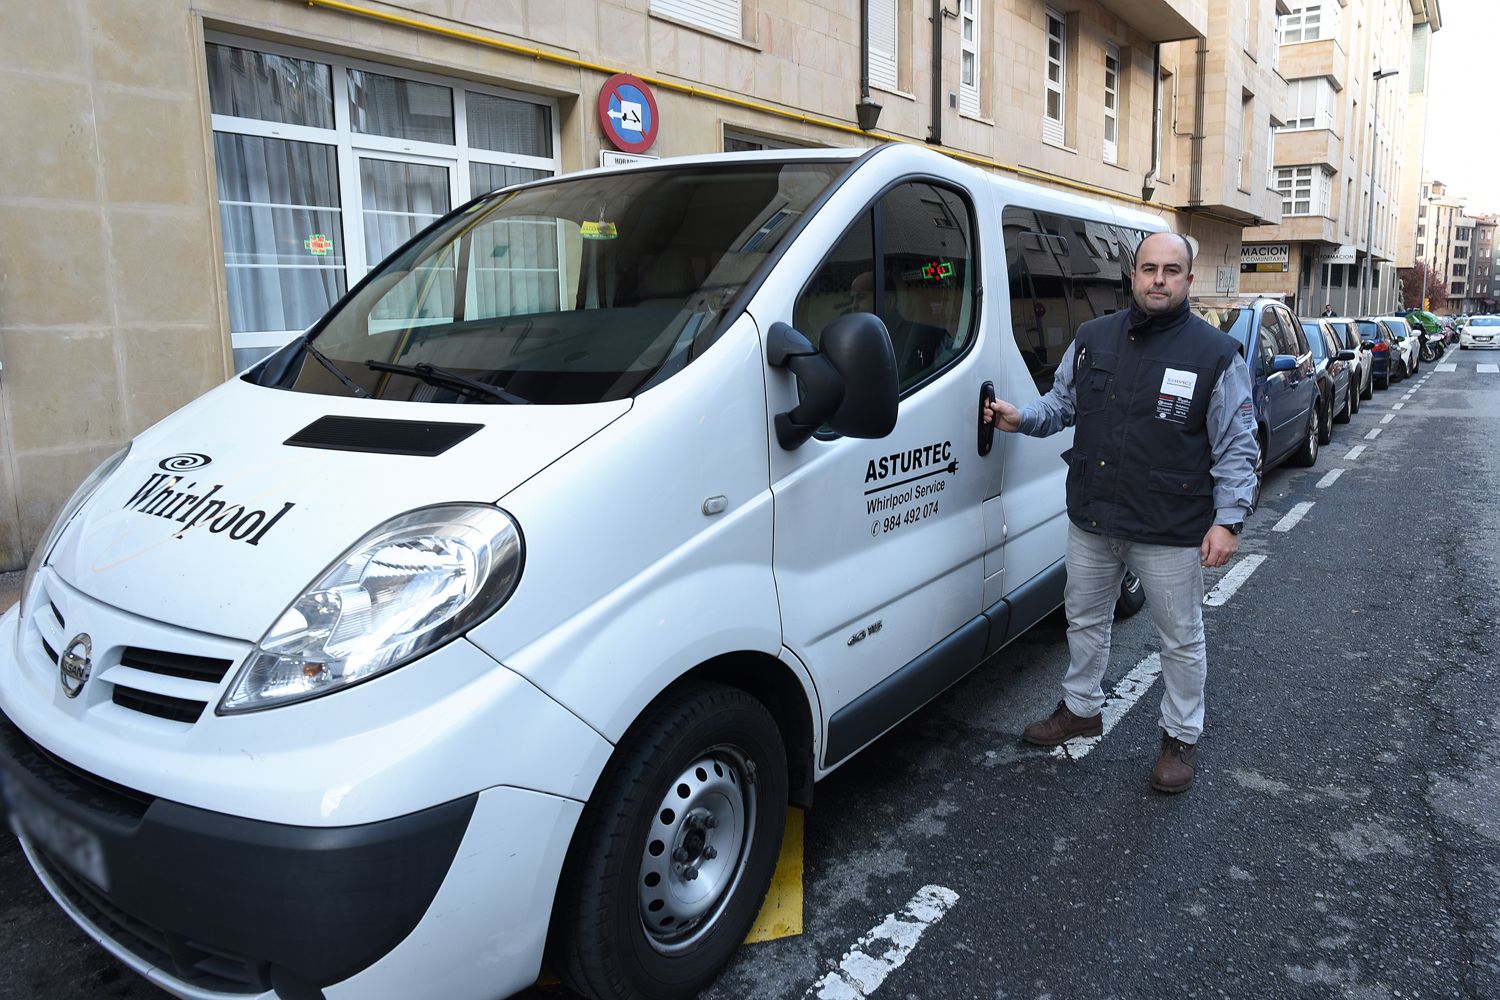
[318,245]
[192,508]
[903,487]
[600,230]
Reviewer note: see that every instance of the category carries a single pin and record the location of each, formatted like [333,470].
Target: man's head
[1163,272]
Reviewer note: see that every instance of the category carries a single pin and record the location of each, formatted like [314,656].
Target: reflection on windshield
[1233,320]
[576,291]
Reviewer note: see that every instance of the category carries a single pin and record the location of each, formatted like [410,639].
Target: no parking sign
[627,111]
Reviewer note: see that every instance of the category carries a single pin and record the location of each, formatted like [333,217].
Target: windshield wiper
[334,369]
[442,376]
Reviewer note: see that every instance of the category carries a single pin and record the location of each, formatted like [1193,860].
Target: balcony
[1308,145]
[1161,20]
[1325,57]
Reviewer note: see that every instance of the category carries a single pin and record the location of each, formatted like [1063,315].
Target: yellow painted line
[781,916]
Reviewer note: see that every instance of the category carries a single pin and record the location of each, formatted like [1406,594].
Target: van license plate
[62,838]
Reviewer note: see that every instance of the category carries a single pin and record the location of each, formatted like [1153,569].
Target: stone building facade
[187,184]
[1341,157]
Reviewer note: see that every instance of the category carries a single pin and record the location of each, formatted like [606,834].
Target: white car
[1404,345]
[1363,378]
[1480,331]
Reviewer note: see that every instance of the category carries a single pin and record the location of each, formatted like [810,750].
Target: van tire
[1132,596]
[722,748]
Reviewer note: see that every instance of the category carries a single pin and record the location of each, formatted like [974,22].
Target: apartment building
[1445,240]
[1340,156]
[198,180]
[1482,275]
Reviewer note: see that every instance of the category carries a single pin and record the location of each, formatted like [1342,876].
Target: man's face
[1161,279]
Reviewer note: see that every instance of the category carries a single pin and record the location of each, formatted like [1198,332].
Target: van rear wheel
[675,850]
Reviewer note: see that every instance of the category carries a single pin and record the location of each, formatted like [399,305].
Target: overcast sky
[1462,137]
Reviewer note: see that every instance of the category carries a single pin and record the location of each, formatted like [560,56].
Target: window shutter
[882,14]
[722,16]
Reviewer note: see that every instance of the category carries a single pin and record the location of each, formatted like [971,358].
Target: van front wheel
[675,850]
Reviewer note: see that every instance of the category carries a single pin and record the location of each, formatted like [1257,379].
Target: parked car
[1376,336]
[1481,331]
[1405,344]
[1331,371]
[1361,376]
[1281,375]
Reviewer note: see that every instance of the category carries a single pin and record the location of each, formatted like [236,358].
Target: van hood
[224,511]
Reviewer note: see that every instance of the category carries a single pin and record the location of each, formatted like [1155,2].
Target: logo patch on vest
[1176,395]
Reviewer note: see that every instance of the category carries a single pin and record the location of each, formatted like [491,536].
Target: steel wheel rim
[705,823]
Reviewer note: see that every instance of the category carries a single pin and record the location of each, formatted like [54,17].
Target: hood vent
[421,438]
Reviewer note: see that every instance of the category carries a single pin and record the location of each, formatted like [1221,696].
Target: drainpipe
[935,132]
[1148,184]
[1200,87]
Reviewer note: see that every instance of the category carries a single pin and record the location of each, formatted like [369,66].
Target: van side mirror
[850,384]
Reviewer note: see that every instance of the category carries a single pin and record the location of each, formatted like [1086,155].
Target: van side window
[1063,272]
[908,260]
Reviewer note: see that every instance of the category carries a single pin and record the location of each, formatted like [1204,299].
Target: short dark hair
[1186,245]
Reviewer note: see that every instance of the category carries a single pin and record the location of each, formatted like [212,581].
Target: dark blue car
[1283,380]
[1382,351]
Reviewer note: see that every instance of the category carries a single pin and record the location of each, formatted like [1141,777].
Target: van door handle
[986,431]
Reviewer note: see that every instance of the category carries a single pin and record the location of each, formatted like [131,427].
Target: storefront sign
[627,112]
[1264,257]
[1345,254]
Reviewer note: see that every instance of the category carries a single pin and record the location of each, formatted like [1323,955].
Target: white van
[508,609]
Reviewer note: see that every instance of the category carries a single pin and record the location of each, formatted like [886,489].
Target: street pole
[1364,294]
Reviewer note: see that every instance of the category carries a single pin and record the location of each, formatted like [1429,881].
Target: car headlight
[407,587]
[60,522]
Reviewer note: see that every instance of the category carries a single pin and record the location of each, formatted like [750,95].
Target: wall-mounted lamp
[867,112]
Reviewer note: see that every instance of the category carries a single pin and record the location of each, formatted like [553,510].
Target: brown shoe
[1062,725]
[1175,765]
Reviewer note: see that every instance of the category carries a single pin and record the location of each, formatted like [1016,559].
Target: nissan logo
[74,665]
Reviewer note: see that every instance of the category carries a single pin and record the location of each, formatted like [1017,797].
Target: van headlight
[407,587]
[64,516]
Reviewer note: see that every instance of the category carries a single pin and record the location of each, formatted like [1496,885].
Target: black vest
[1140,466]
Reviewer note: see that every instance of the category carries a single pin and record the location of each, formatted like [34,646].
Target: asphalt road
[1342,840]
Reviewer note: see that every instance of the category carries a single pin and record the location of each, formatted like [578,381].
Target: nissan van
[503,614]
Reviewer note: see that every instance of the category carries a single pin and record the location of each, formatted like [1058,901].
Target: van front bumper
[218,902]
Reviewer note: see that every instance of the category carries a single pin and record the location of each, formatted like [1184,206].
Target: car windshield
[1315,341]
[1485,321]
[573,291]
[1233,320]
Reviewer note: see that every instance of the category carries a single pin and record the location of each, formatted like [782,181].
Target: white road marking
[1294,515]
[1354,453]
[1446,368]
[1487,369]
[1116,704]
[864,967]
[1330,479]
[1374,433]
[1232,581]
[1387,418]
[1397,406]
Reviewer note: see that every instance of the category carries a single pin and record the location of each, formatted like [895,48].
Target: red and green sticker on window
[318,245]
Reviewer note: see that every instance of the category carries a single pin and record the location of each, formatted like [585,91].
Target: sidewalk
[10,589]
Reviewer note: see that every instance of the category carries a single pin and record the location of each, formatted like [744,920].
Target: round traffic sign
[627,111]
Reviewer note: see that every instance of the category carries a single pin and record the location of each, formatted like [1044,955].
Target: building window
[968,51]
[1460,253]
[325,166]
[1057,68]
[1457,288]
[1309,21]
[1304,190]
[1462,233]
[1310,103]
[884,42]
[1460,270]
[741,141]
[721,16]
[1271,154]
[1111,103]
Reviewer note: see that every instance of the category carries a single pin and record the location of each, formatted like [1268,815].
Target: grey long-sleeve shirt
[1231,431]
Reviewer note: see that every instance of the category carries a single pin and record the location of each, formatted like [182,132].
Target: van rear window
[574,291]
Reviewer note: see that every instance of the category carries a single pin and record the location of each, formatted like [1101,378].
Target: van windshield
[575,291]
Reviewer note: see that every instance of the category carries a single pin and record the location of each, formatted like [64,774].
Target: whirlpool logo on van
[192,505]
[902,487]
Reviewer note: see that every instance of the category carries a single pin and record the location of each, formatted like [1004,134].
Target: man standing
[1328,309]
[1161,476]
